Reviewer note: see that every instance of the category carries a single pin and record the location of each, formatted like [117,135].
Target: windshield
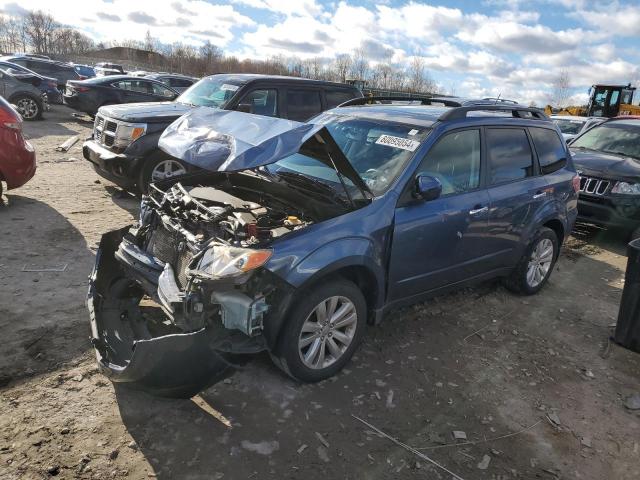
[378,151]
[210,92]
[571,127]
[620,137]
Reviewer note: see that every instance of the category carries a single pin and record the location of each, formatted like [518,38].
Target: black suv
[124,147]
[49,68]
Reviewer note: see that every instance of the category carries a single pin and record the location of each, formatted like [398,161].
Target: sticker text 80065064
[398,142]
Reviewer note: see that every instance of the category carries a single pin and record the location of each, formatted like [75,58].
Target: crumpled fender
[175,365]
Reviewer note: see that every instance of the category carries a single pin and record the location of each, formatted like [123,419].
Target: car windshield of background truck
[210,92]
[620,137]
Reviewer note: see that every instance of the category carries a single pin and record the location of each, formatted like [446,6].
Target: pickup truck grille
[594,186]
[104,130]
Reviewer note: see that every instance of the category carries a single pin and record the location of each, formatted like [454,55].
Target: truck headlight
[626,188]
[128,132]
[224,261]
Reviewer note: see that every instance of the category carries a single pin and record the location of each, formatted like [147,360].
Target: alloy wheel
[27,107]
[540,262]
[167,169]
[327,332]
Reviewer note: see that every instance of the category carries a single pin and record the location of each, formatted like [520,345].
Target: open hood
[225,140]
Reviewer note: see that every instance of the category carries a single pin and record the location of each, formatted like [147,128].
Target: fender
[548,211]
[26,93]
[338,254]
[145,145]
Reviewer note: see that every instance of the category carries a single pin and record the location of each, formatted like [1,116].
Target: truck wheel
[159,167]
[323,331]
[29,107]
[535,267]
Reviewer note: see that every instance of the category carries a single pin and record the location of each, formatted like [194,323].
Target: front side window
[509,154]
[550,149]
[621,137]
[455,162]
[262,102]
[303,104]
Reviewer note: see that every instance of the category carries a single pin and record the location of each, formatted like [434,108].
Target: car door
[443,241]
[302,103]
[131,91]
[161,93]
[516,191]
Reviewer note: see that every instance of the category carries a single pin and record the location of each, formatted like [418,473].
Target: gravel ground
[532,382]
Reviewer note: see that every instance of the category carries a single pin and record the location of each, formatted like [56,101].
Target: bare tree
[342,65]
[359,65]
[39,27]
[561,89]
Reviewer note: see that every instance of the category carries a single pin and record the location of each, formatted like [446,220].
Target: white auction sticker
[398,142]
[413,132]
[227,86]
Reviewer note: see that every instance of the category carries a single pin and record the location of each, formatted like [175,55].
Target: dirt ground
[533,382]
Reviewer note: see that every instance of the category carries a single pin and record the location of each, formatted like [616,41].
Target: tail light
[9,118]
[82,77]
[52,84]
[576,183]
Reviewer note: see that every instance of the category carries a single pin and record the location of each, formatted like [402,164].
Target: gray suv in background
[27,98]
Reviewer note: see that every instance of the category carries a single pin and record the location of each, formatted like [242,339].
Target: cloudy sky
[471,48]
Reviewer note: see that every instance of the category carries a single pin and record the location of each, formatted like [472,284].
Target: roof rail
[397,98]
[516,111]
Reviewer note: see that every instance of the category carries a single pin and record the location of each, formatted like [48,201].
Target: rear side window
[336,97]
[509,154]
[180,82]
[552,155]
[303,104]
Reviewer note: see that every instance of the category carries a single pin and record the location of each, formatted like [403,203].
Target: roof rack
[516,110]
[397,98]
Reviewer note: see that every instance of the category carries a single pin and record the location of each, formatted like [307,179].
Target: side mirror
[427,187]
[245,107]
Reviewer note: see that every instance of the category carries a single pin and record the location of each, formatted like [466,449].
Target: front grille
[104,131]
[169,247]
[594,186]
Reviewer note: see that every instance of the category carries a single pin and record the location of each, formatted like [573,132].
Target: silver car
[28,99]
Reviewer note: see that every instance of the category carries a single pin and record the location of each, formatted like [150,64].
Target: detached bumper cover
[178,364]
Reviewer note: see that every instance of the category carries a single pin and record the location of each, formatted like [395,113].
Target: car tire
[534,268]
[308,342]
[635,235]
[29,107]
[154,166]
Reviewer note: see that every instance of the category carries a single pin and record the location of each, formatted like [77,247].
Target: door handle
[478,211]
[539,195]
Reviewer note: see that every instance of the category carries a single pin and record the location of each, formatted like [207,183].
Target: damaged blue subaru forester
[292,237]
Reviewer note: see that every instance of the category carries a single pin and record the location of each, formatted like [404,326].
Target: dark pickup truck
[124,147]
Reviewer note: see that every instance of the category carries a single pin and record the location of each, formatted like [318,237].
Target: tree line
[38,32]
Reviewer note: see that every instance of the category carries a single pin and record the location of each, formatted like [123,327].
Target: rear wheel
[159,167]
[29,107]
[535,266]
[323,331]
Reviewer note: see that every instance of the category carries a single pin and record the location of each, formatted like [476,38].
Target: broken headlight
[223,261]
[626,188]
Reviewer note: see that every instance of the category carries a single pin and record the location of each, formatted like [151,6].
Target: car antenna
[497,98]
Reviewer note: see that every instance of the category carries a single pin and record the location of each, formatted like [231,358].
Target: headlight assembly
[222,261]
[128,132]
[626,188]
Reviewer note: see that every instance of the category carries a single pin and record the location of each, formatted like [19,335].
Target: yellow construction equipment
[604,101]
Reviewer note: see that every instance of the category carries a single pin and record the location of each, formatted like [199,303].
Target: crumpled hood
[605,164]
[226,140]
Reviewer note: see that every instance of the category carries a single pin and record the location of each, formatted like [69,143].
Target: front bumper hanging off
[172,364]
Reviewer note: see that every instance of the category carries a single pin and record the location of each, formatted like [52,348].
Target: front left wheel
[323,331]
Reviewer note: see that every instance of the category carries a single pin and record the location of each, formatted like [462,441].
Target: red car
[17,156]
